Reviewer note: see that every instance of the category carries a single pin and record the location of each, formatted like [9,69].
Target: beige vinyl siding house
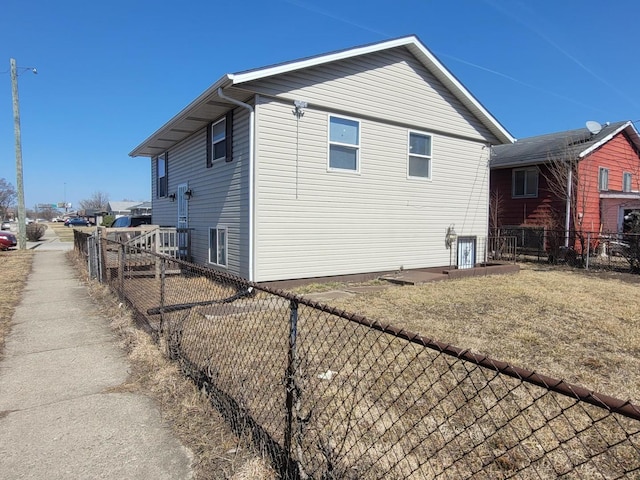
[351,162]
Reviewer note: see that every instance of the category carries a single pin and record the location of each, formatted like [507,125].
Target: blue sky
[111,73]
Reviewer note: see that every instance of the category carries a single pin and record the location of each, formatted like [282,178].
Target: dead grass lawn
[565,324]
[15,266]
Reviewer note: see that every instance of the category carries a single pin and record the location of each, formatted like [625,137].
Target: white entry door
[466,252]
[183,219]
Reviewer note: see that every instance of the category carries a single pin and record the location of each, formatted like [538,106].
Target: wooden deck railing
[171,241]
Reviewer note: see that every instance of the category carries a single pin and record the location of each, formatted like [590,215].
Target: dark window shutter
[209,146]
[229,136]
[166,174]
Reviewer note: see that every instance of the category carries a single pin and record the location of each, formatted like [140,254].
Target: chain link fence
[331,395]
[588,250]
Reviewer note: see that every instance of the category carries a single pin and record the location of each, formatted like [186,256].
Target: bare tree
[495,209]
[7,197]
[572,185]
[98,201]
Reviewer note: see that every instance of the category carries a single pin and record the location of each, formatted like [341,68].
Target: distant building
[119,209]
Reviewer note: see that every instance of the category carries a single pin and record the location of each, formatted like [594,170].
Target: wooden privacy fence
[329,394]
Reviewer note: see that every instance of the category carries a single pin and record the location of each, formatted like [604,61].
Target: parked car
[77,222]
[6,225]
[126,228]
[7,240]
[131,221]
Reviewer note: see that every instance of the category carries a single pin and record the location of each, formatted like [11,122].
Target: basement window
[218,246]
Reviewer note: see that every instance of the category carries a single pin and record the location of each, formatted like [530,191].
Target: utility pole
[22,227]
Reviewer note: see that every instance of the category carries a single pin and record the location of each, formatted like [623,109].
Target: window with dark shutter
[162,183]
[229,136]
[209,156]
[219,142]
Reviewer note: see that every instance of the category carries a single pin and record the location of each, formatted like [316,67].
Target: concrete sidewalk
[56,419]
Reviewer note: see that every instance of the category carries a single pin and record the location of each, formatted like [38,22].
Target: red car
[7,240]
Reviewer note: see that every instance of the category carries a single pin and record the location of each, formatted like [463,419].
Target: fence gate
[466,252]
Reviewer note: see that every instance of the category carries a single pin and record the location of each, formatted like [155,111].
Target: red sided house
[578,181]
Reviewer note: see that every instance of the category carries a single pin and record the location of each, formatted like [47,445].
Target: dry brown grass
[218,453]
[395,409]
[15,266]
[565,324]
[65,234]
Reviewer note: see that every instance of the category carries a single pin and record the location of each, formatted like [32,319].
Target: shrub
[632,239]
[108,220]
[35,231]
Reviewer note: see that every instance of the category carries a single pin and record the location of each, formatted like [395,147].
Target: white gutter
[251,173]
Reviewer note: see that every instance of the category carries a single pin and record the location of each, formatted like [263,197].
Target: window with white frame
[219,139]
[344,144]
[525,182]
[626,182]
[218,246]
[603,179]
[419,165]
[162,184]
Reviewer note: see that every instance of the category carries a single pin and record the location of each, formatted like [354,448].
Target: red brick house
[531,184]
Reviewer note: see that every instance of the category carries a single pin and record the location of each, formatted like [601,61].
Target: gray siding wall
[220,195]
[390,85]
[314,222]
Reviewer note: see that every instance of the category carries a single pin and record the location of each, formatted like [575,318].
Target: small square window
[218,246]
[419,165]
[525,182]
[344,144]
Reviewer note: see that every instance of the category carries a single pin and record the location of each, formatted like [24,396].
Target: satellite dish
[594,127]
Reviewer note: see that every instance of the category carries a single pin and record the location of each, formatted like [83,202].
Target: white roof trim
[259,73]
[621,195]
[604,140]
[423,53]
[412,43]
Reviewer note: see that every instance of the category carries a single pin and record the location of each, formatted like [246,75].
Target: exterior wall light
[451,236]
[172,197]
[188,194]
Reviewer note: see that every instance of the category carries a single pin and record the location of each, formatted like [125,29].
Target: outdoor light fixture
[188,194]
[172,197]
[451,236]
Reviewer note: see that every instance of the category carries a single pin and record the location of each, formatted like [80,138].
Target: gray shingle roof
[569,144]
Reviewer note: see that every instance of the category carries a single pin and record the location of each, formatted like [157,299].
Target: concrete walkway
[57,420]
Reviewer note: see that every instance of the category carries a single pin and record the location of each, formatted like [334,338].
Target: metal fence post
[121,261]
[291,382]
[162,290]
[588,250]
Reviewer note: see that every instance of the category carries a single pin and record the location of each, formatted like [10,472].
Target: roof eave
[632,133]
[223,82]
[411,42]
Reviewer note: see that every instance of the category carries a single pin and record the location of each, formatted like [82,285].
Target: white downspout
[251,174]
[567,220]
